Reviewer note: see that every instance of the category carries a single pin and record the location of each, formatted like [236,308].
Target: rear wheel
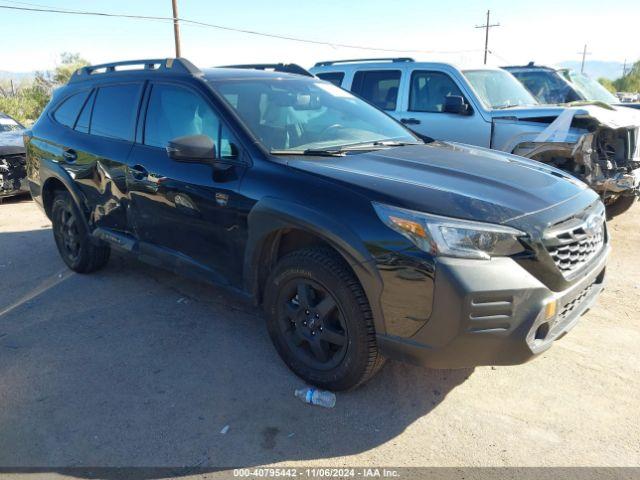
[72,238]
[620,205]
[320,321]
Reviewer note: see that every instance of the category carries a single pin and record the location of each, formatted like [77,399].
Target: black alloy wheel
[320,320]
[312,324]
[78,250]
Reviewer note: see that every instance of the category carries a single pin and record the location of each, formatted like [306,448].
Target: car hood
[607,115]
[451,179]
[11,143]
[536,111]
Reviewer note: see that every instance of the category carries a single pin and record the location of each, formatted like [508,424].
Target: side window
[82,125]
[115,110]
[175,112]
[333,77]
[379,87]
[429,91]
[67,113]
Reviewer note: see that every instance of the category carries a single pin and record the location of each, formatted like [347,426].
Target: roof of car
[183,67]
[530,67]
[390,63]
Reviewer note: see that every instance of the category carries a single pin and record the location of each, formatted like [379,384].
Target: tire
[620,205]
[320,321]
[72,238]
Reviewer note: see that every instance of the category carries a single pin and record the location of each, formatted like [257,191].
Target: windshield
[590,88]
[9,125]
[498,89]
[299,114]
[547,86]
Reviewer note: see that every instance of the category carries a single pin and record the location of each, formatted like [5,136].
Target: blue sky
[542,30]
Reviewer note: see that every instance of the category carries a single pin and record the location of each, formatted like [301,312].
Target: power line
[495,54]
[222,27]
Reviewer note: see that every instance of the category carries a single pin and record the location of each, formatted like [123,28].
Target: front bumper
[493,313]
[620,183]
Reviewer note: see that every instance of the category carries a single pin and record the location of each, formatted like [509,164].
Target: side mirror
[455,104]
[192,148]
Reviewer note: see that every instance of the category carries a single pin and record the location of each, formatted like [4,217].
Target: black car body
[524,254]
[13,174]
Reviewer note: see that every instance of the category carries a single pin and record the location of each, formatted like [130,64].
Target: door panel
[423,111]
[192,210]
[113,111]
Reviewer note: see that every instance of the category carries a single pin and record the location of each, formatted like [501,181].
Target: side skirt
[165,258]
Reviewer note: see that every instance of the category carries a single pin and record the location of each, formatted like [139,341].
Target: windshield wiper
[393,143]
[504,107]
[322,152]
[342,150]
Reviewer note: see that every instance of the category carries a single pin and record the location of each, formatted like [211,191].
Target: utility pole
[487,26]
[176,27]
[584,56]
[624,68]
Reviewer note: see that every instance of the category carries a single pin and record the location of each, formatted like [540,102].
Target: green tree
[629,82]
[608,84]
[27,103]
[69,63]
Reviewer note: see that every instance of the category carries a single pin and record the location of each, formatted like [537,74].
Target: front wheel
[319,320]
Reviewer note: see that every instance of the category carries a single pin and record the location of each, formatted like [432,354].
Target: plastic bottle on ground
[313,396]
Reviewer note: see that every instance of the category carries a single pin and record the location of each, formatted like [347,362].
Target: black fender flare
[271,215]
[49,171]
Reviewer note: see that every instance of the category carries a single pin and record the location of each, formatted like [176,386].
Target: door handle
[410,121]
[70,155]
[139,172]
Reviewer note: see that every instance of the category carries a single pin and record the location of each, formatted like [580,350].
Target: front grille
[573,243]
[570,306]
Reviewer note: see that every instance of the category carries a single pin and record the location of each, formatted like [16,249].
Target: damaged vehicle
[13,173]
[488,107]
[359,240]
[562,85]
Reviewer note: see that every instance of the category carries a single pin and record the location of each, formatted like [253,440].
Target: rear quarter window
[115,111]
[379,87]
[69,109]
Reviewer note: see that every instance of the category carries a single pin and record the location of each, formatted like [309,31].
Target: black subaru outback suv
[360,240]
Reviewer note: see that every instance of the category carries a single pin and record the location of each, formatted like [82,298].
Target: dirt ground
[136,366]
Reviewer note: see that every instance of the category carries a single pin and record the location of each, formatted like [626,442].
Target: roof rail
[166,65]
[276,67]
[528,65]
[390,59]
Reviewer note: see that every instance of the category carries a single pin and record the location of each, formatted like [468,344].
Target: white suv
[488,107]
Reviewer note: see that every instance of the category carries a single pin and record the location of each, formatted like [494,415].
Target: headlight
[449,236]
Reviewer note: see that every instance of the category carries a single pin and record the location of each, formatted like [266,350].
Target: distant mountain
[597,68]
[16,76]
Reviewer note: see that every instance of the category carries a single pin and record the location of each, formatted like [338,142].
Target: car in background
[13,173]
[562,85]
[626,97]
[488,107]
